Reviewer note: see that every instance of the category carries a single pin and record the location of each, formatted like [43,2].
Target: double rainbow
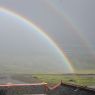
[49,39]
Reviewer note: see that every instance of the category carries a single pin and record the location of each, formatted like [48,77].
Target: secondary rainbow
[70,22]
[30,23]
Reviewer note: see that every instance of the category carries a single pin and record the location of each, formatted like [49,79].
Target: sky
[70,23]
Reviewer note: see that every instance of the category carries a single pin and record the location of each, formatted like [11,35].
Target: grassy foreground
[56,78]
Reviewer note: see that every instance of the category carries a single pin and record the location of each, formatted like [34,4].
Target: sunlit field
[75,79]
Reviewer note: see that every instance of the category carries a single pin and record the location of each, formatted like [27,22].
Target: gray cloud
[48,16]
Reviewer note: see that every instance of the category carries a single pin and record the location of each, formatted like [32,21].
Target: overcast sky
[70,23]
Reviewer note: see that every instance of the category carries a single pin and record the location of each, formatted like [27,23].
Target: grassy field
[56,78]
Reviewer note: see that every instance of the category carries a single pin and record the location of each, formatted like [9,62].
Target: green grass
[55,78]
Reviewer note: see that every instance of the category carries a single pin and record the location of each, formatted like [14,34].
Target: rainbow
[76,29]
[31,24]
